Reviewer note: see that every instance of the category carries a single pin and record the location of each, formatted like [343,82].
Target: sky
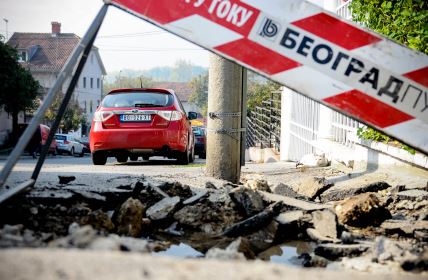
[124,41]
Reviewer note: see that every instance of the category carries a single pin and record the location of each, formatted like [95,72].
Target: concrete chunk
[414,194]
[248,200]
[163,208]
[361,211]
[325,223]
[293,202]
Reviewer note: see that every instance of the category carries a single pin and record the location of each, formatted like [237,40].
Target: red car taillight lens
[170,115]
[102,116]
[66,142]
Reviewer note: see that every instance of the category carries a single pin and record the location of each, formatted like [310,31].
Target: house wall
[90,97]
[87,96]
[46,80]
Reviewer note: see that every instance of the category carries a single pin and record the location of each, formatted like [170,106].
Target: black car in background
[85,141]
[200,141]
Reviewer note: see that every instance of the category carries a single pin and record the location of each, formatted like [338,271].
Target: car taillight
[102,116]
[66,142]
[170,115]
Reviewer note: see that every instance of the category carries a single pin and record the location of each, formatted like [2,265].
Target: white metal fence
[304,123]
[343,129]
[343,9]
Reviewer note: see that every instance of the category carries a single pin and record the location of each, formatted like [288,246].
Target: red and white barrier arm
[298,44]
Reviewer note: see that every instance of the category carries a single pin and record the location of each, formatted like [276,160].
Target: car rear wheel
[133,158]
[192,155]
[99,158]
[72,152]
[146,157]
[183,158]
[122,158]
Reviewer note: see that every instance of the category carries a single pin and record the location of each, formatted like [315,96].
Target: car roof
[160,90]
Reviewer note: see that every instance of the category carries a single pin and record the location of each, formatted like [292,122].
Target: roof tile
[52,51]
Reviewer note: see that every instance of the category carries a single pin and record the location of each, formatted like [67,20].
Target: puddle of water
[288,256]
[180,251]
[287,253]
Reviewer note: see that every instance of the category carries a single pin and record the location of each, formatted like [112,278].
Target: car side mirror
[192,115]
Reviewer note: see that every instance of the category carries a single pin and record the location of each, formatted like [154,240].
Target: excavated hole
[48,214]
[231,222]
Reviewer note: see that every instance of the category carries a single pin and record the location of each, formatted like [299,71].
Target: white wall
[90,95]
[46,80]
[329,5]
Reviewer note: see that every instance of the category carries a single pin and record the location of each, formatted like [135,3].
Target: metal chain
[231,132]
[213,115]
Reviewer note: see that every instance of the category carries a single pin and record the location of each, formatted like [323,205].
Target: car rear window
[137,99]
[60,137]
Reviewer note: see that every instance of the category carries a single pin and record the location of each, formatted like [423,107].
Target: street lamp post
[120,78]
[7,33]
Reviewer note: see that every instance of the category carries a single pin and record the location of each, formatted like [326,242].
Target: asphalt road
[160,169]
[86,173]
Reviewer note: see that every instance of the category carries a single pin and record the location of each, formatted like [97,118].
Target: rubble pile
[375,225]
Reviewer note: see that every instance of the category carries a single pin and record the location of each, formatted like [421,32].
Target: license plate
[135,118]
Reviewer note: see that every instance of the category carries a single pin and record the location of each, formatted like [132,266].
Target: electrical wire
[131,35]
[148,50]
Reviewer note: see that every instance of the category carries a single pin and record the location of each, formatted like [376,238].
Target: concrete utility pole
[224,119]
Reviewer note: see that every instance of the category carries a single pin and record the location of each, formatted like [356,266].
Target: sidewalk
[47,264]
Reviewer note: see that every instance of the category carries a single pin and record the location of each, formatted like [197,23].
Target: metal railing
[343,10]
[264,124]
[344,129]
[304,124]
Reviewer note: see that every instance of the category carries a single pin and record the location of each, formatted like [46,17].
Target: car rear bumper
[63,148]
[143,141]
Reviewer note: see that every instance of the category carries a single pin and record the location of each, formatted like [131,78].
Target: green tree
[18,89]
[73,117]
[405,21]
[259,90]
[199,96]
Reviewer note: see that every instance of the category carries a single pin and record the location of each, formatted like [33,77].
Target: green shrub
[368,133]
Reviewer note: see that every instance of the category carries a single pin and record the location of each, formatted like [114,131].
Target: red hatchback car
[141,122]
